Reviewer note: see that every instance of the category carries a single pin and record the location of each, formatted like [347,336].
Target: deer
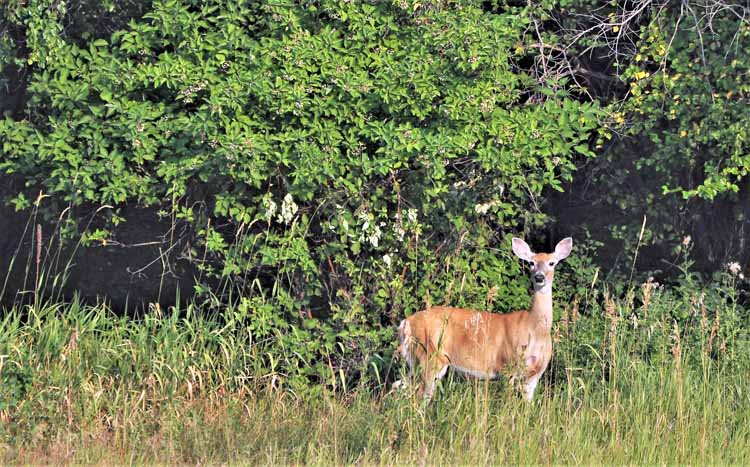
[486,345]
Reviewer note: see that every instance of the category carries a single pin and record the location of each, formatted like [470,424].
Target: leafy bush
[701,122]
[688,87]
[681,111]
[339,165]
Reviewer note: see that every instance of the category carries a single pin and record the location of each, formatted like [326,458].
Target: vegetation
[325,168]
[309,159]
[630,382]
[675,78]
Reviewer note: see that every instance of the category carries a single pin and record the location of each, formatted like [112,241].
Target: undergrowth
[653,376]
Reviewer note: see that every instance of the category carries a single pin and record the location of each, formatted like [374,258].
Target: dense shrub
[689,84]
[339,164]
[677,80]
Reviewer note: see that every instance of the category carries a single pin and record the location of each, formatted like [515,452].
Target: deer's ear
[522,250]
[562,250]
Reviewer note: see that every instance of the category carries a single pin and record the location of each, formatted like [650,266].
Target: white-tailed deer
[485,345]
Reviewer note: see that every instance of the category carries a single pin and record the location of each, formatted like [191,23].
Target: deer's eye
[551,263]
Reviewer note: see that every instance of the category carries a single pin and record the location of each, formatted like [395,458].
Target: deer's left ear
[562,250]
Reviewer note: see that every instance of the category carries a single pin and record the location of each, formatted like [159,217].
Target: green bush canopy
[339,163]
[332,166]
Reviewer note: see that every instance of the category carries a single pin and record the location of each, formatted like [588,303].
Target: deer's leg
[406,349]
[434,370]
[528,387]
[408,376]
[534,368]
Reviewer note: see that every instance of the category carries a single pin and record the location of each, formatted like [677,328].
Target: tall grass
[80,384]
[648,375]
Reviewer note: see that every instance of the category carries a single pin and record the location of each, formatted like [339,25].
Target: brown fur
[482,344]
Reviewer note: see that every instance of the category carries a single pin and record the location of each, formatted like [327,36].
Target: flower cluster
[735,269]
[288,208]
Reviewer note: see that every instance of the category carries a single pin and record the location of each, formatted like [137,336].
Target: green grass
[80,385]
[651,420]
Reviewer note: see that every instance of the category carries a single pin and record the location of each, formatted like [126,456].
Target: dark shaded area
[715,231]
[93,19]
[143,267]
[13,79]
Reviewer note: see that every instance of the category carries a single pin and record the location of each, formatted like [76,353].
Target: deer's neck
[541,308]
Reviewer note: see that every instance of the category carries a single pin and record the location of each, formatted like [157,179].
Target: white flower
[411,214]
[288,209]
[734,268]
[399,232]
[387,260]
[374,237]
[482,209]
[270,205]
[365,220]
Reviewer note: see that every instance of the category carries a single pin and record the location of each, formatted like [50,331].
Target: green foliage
[694,323]
[339,164]
[698,84]
[683,161]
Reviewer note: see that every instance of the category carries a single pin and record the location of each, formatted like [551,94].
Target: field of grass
[82,385]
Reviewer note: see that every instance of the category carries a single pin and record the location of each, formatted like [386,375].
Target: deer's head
[542,265]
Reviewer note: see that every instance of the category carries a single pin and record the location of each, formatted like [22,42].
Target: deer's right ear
[522,250]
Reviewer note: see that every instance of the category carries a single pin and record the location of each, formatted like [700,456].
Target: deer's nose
[539,278]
